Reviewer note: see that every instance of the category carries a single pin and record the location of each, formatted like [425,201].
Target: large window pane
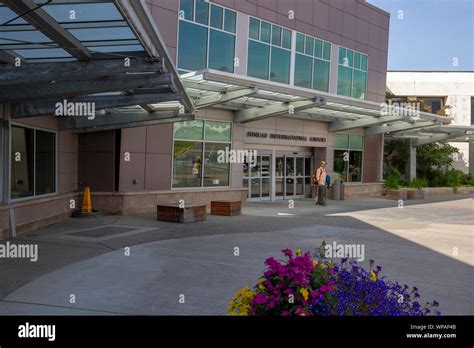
[359,85]
[45,162]
[230,21]
[259,55]
[321,75]
[340,165]
[276,35]
[286,38]
[192,46]
[192,130]
[217,16]
[265,30]
[221,51]
[309,46]
[344,81]
[215,173]
[303,70]
[187,164]
[280,65]
[186,9]
[299,43]
[341,141]
[363,62]
[356,142]
[218,131]
[22,162]
[254,29]
[202,12]
[327,51]
[318,49]
[355,166]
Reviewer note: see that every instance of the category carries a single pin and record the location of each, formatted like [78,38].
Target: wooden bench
[173,213]
[226,208]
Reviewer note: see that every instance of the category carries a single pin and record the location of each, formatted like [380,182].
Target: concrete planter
[415,194]
[396,194]
[465,190]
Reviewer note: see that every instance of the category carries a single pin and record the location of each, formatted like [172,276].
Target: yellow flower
[315,263]
[373,276]
[304,292]
[240,303]
[298,252]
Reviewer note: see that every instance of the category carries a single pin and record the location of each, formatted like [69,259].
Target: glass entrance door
[292,176]
[257,178]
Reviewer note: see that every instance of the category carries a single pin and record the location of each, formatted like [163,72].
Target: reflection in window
[206,37]
[215,173]
[187,164]
[45,162]
[312,63]
[348,157]
[258,64]
[196,162]
[221,51]
[33,162]
[280,65]
[22,162]
[217,131]
[192,46]
[269,51]
[352,73]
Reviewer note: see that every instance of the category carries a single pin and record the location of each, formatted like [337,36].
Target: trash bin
[338,190]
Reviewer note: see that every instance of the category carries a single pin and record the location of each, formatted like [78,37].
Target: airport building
[448,91]
[141,100]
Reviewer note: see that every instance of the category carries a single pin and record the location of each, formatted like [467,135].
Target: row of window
[352,73]
[207,38]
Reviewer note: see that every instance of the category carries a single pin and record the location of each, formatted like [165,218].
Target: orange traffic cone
[86,203]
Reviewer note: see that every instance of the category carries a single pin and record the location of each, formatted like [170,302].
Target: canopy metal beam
[401,126]
[68,71]
[76,88]
[438,138]
[42,21]
[364,122]
[48,106]
[253,114]
[224,97]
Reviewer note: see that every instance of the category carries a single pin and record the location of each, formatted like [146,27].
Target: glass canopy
[99,26]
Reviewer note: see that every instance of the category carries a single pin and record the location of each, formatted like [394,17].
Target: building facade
[290,54]
[334,47]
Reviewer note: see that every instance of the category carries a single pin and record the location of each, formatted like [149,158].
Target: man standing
[320,181]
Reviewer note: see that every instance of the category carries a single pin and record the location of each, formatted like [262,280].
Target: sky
[428,35]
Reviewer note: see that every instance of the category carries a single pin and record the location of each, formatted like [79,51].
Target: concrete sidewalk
[87,259]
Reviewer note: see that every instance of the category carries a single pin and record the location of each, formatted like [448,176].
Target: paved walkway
[87,257]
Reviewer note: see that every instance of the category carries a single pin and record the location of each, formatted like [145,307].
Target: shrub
[308,286]
[418,183]
[392,182]
[452,178]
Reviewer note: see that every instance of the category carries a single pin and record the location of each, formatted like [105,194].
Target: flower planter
[415,194]
[396,194]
